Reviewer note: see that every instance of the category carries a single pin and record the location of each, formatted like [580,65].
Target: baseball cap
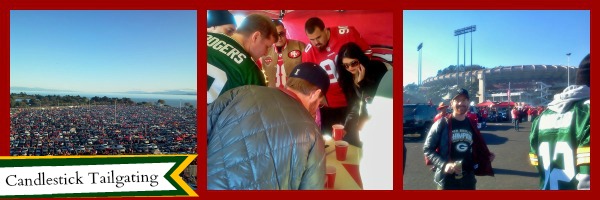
[314,74]
[461,91]
[218,18]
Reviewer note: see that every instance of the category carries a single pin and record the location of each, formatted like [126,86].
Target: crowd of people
[458,153]
[105,130]
[296,88]
[102,130]
[515,114]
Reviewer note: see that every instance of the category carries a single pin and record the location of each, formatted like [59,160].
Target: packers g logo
[462,147]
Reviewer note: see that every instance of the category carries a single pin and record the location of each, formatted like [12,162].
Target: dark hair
[583,72]
[277,22]
[345,78]
[312,23]
[260,23]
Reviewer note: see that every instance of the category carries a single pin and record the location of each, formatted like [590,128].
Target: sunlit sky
[502,38]
[104,51]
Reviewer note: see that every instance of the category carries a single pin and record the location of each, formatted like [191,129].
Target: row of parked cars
[418,118]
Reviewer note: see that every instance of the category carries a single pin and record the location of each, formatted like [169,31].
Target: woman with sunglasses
[358,76]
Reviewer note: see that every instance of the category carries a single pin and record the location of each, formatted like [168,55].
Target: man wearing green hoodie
[560,137]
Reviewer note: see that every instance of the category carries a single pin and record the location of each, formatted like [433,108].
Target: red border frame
[201,5]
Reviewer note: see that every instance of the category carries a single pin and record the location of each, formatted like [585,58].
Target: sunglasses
[281,34]
[354,63]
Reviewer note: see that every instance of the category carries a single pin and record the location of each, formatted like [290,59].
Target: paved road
[512,168]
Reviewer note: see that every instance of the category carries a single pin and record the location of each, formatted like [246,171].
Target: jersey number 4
[554,175]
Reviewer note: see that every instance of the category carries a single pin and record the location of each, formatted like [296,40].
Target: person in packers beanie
[564,128]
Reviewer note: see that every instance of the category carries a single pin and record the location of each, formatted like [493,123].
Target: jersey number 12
[554,175]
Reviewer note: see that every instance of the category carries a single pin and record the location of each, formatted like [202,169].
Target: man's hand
[492,156]
[452,168]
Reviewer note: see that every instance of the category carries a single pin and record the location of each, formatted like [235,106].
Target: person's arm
[374,71]
[216,109]
[302,46]
[533,143]
[583,150]
[352,117]
[432,142]
[314,175]
[306,55]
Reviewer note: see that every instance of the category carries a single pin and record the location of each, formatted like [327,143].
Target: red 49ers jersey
[326,59]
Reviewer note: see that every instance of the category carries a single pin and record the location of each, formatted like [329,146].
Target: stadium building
[532,84]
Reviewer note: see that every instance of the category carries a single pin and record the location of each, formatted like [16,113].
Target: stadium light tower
[474,29]
[419,62]
[568,70]
[464,31]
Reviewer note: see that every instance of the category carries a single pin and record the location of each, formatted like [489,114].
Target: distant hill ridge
[171,92]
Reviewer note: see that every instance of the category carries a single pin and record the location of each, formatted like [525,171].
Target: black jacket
[439,137]
[357,98]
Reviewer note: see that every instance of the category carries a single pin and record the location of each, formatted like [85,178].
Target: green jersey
[229,66]
[560,146]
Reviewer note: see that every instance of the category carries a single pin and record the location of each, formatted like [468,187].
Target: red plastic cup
[337,132]
[330,174]
[341,148]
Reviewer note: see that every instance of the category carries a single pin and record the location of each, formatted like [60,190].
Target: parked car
[418,118]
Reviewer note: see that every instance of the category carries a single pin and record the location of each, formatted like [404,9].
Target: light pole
[568,70]
[474,29]
[457,53]
[458,32]
[419,72]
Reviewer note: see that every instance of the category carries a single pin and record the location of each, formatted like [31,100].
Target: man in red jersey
[323,49]
[484,116]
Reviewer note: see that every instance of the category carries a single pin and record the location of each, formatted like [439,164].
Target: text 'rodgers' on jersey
[228,66]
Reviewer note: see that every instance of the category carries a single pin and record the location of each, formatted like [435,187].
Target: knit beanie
[218,18]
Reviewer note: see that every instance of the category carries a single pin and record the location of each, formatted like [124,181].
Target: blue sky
[104,51]
[502,38]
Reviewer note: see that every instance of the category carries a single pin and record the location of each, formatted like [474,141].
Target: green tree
[35,102]
[411,88]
